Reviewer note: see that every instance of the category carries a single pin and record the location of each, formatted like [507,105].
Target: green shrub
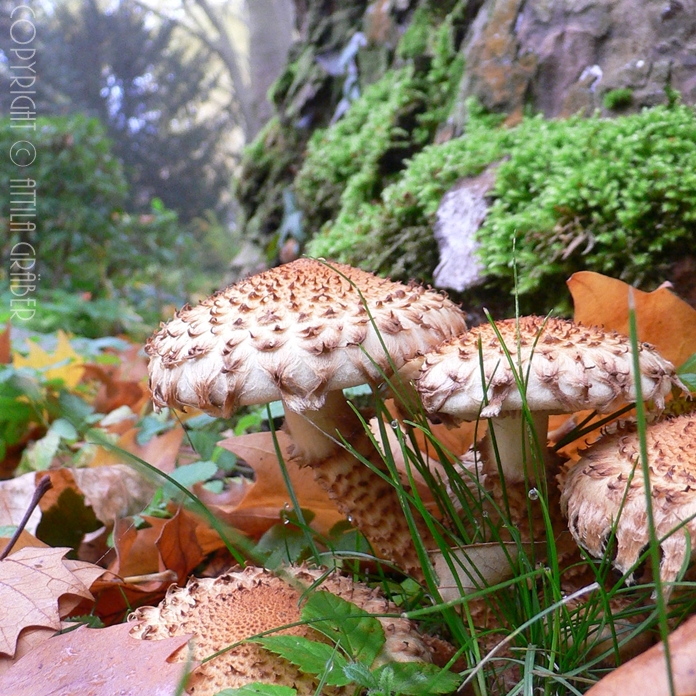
[84,240]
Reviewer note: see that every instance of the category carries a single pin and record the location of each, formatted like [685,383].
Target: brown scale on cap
[302,333]
[567,367]
[594,488]
[237,605]
[294,332]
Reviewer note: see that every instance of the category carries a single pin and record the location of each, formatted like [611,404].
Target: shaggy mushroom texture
[564,367]
[609,474]
[221,611]
[302,333]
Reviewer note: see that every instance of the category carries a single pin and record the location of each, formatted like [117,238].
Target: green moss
[616,99]
[615,196]
[414,42]
[349,164]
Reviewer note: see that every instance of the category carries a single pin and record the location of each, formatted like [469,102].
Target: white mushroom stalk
[564,367]
[302,333]
[605,491]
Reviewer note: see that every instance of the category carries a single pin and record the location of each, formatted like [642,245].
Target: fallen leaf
[262,502]
[98,662]
[64,363]
[160,451]
[649,670]
[15,496]
[5,346]
[32,582]
[115,392]
[66,517]
[662,318]
[114,491]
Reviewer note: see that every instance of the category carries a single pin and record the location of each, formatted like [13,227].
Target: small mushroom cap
[594,488]
[567,367]
[294,332]
[237,605]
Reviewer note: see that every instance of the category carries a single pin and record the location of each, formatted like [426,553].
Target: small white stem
[515,446]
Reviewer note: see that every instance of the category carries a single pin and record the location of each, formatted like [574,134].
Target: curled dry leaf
[262,502]
[38,587]
[663,319]
[98,662]
[177,545]
[650,668]
[15,496]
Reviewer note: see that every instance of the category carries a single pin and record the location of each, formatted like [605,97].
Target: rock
[462,210]
[542,53]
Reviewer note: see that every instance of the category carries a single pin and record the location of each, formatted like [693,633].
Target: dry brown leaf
[647,673]
[114,392]
[455,440]
[160,451]
[262,502]
[663,319]
[32,583]
[114,491]
[5,346]
[15,496]
[98,662]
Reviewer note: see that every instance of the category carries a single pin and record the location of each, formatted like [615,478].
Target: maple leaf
[98,662]
[32,583]
[663,319]
[64,363]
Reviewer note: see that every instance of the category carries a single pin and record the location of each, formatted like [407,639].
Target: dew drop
[350,519]
[394,424]
[533,494]
[485,513]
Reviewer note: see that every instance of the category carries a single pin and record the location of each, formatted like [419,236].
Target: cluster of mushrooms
[303,332]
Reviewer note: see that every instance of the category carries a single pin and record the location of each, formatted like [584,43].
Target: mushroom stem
[514,445]
[369,501]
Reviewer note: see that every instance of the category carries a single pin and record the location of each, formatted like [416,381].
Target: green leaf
[417,678]
[258,689]
[189,474]
[687,373]
[310,657]
[358,634]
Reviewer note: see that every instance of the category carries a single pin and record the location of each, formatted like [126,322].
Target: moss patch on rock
[615,196]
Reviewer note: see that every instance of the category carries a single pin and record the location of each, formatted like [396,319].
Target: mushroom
[605,490]
[240,604]
[302,333]
[563,367]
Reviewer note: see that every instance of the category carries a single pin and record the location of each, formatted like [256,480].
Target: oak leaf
[98,662]
[32,583]
[662,318]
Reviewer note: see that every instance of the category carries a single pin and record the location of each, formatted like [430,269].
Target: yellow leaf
[68,364]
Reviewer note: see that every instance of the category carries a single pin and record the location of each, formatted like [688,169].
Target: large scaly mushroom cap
[567,367]
[594,488]
[294,332]
[237,605]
